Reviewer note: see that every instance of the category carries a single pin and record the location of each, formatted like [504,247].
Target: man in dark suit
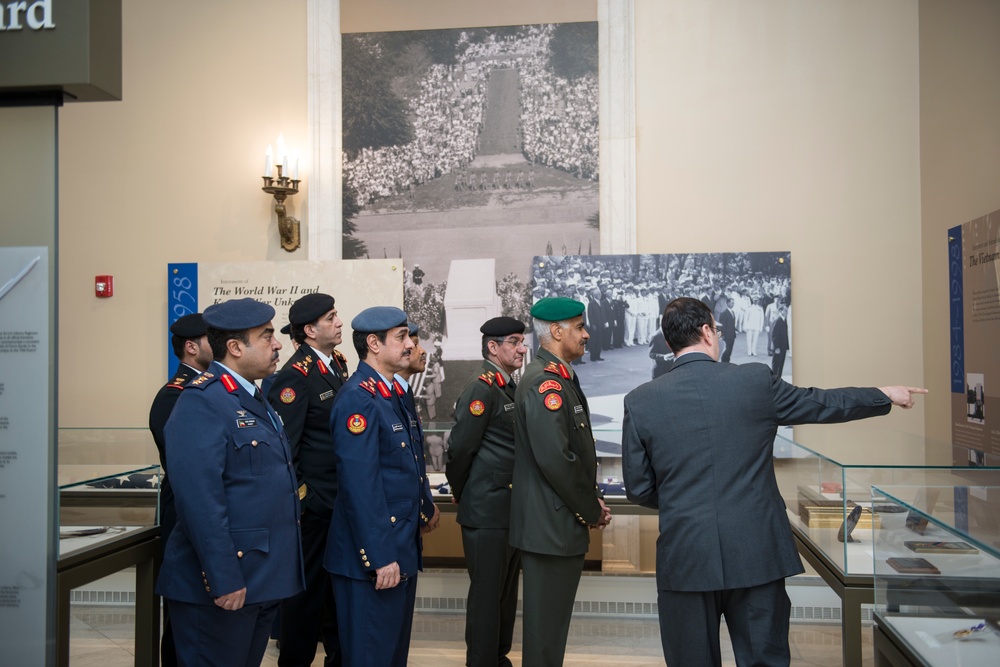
[190,345]
[779,341]
[236,549]
[480,471]
[302,393]
[554,500]
[727,322]
[725,544]
[597,325]
[373,553]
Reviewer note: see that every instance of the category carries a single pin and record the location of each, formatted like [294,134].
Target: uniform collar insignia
[384,390]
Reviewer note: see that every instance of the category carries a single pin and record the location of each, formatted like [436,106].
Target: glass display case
[936,563]
[108,483]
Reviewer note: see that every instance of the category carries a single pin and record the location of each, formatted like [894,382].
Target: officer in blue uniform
[189,341]
[373,553]
[236,551]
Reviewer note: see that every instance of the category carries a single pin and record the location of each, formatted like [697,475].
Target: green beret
[557,308]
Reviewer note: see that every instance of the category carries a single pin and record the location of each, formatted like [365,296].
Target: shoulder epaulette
[303,365]
[552,367]
[202,380]
[178,382]
[487,377]
[340,357]
[368,385]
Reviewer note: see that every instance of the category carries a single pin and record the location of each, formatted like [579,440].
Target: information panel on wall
[974,311]
[24,454]
[354,284]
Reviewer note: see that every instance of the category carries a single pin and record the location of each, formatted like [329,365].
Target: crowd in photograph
[558,122]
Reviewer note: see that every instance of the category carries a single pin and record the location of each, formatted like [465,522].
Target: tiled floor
[103,637]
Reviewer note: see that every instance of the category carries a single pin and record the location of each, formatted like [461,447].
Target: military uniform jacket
[302,393]
[555,497]
[697,444]
[376,516]
[480,465]
[235,492]
[163,405]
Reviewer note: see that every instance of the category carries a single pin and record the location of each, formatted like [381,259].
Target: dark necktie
[257,395]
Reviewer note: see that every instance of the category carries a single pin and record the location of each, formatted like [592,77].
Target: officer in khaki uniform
[555,500]
[480,469]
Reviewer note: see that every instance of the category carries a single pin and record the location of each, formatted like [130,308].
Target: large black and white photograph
[624,296]
[466,153]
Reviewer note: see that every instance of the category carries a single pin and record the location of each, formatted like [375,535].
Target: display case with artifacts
[937,580]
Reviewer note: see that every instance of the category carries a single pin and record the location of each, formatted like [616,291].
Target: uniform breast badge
[356,424]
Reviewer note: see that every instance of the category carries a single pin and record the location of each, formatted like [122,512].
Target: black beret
[189,326]
[557,308]
[378,318]
[502,326]
[310,308]
[238,314]
[287,329]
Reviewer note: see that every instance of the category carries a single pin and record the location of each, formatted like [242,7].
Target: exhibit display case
[937,570]
[108,523]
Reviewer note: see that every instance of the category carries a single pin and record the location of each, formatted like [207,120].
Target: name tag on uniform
[249,422]
[325,395]
[578,409]
[396,428]
[508,407]
[413,423]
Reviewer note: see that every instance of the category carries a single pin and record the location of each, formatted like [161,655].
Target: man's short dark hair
[486,340]
[360,340]
[683,319]
[177,344]
[298,332]
[218,338]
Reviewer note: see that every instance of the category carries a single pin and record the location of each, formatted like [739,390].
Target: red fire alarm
[104,286]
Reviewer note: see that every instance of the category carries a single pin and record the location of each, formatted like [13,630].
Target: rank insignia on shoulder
[229,383]
[202,379]
[487,378]
[553,402]
[552,367]
[549,384]
[477,408]
[356,424]
[368,385]
[303,366]
[287,395]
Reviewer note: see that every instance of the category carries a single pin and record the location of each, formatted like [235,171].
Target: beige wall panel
[960,164]
[170,173]
[785,125]
[387,15]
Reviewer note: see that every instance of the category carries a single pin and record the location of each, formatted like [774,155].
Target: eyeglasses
[511,341]
[716,329]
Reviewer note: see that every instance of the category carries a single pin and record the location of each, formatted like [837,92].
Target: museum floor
[103,637]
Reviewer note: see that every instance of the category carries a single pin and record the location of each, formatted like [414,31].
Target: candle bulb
[295,172]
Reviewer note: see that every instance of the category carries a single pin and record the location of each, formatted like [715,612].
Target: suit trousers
[550,584]
[210,636]
[757,619]
[374,625]
[491,609]
[311,616]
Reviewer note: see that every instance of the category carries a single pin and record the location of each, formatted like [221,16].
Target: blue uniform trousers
[209,636]
[374,625]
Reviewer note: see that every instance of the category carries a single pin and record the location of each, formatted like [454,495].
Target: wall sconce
[280,188]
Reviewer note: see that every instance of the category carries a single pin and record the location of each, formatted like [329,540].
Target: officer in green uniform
[555,500]
[480,468]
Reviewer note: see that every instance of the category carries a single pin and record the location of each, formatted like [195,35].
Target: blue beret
[502,326]
[378,318]
[310,308]
[414,329]
[189,326]
[238,314]
[557,308]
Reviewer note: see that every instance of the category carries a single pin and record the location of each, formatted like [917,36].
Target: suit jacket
[728,322]
[235,493]
[779,336]
[555,497]
[376,516]
[302,393]
[480,465]
[697,445]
